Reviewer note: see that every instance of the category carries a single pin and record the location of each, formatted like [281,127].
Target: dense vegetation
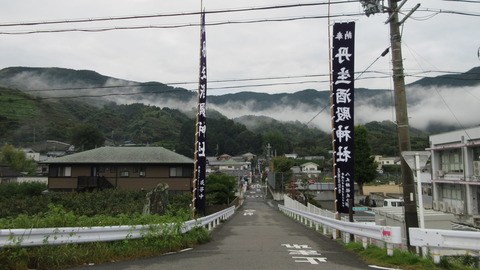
[407,260]
[26,121]
[23,206]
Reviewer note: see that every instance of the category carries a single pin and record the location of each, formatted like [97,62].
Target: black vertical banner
[343,124]
[201,126]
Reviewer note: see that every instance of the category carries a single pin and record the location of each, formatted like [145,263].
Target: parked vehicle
[393,203]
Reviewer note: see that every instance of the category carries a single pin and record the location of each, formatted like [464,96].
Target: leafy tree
[17,160]
[282,164]
[279,144]
[86,137]
[365,165]
[220,188]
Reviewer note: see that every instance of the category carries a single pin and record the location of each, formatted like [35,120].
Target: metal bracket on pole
[409,14]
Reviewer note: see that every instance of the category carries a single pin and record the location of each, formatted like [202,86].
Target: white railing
[70,235]
[387,234]
[314,216]
[444,239]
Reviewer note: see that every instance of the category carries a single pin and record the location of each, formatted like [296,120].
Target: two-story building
[121,167]
[310,170]
[455,159]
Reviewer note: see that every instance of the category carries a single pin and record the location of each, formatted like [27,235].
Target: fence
[312,215]
[70,235]
[425,238]
[444,239]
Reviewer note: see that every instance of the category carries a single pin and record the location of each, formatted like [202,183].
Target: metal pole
[419,190]
[420,197]
[411,218]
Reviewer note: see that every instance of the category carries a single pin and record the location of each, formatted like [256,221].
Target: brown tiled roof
[123,155]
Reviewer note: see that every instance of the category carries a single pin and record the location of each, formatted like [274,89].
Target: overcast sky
[431,42]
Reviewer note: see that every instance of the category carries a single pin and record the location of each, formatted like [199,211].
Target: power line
[174,26]
[178,14]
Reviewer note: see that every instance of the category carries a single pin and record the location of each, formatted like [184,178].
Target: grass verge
[406,260]
[62,256]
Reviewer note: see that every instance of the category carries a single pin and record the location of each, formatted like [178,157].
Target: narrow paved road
[258,236]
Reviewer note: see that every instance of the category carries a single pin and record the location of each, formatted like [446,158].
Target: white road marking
[383,268]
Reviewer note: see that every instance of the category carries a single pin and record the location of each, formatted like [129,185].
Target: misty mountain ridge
[435,104]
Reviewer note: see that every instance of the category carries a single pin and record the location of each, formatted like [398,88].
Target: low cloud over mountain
[446,100]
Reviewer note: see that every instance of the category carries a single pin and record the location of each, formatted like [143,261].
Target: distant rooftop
[123,155]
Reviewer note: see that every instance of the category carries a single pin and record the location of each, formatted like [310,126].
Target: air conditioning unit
[440,173]
[442,206]
[476,168]
[435,205]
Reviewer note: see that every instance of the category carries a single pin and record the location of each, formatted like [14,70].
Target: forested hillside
[27,121]
[40,104]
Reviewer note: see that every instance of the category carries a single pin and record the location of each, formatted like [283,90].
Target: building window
[476,154]
[453,192]
[180,172]
[124,173]
[451,161]
[55,171]
[141,170]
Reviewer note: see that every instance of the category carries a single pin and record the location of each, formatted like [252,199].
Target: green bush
[20,190]
[220,189]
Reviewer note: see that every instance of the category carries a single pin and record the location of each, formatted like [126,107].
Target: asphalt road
[258,236]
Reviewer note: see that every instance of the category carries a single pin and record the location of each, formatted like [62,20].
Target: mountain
[28,121]
[468,79]
[435,104]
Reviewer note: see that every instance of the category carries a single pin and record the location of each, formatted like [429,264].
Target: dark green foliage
[220,189]
[87,136]
[15,201]
[21,190]
[17,160]
[282,164]
[224,136]
[365,165]
[383,138]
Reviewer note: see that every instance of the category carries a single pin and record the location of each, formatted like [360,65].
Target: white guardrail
[387,234]
[71,235]
[444,239]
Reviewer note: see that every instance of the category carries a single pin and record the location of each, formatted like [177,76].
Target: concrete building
[455,161]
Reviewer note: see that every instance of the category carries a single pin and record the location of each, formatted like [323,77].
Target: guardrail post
[364,242]
[347,238]
[389,249]
[436,256]
[334,234]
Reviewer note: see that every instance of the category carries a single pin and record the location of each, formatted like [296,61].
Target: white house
[455,160]
[386,161]
[310,170]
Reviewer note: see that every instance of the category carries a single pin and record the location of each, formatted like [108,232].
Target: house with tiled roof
[8,175]
[121,167]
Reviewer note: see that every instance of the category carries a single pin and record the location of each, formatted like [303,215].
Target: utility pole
[403,132]
[410,206]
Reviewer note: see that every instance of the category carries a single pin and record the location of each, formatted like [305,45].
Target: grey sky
[442,42]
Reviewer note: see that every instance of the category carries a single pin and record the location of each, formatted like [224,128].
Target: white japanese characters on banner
[343,121]
[200,159]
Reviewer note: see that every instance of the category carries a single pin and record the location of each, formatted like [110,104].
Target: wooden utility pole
[410,206]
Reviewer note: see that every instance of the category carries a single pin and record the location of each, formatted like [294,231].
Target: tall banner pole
[200,159]
[342,98]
